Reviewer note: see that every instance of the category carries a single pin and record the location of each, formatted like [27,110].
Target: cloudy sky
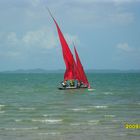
[106,33]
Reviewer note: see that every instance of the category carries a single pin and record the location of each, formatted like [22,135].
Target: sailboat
[74,69]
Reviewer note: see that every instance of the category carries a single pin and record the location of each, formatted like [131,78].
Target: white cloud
[115,1]
[34,42]
[100,12]
[119,2]
[35,3]
[44,38]
[122,17]
[12,38]
[32,13]
[124,47]
[127,56]
[10,54]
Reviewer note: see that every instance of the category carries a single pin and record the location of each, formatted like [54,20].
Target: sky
[106,33]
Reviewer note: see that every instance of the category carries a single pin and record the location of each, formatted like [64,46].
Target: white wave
[1,112]
[79,109]
[18,120]
[110,116]
[50,133]
[108,93]
[75,124]
[122,134]
[26,108]
[116,121]
[99,107]
[117,134]
[45,115]
[91,122]
[27,128]
[2,106]
[47,121]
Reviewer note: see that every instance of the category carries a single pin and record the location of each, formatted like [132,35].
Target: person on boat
[72,83]
[83,85]
[64,84]
[78,84]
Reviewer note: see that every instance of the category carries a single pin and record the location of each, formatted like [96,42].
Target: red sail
[67,55]
[76,72]
[82,74]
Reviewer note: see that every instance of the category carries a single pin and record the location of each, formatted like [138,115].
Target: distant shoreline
[62,71]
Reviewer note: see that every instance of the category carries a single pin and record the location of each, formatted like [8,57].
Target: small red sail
[76,72]
[81,73]
[67,55]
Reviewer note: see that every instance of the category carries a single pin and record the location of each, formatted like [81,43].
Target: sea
[32,107]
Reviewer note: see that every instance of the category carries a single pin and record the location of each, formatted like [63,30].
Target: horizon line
[40,70]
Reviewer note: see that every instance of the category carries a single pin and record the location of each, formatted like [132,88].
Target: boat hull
[68,88]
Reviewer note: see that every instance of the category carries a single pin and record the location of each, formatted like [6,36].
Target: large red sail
[82,74]
[67,55]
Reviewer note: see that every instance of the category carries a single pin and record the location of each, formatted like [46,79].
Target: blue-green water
[32,108]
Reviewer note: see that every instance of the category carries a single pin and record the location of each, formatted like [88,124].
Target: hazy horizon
[39,70]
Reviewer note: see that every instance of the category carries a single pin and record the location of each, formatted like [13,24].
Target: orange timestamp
[132,126]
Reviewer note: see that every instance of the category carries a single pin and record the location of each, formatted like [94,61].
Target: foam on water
[2,106]
[75,124]
[50,133]
[45,115]
[92,122]
[79,109]
[110,116]
[47,121]
[1,112]
[116,121]
[108,93]
[15,129]
[26,108]
[18,120]
[99,107]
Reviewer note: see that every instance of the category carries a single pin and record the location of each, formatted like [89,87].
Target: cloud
[105,12]
[44,37]
[35,42]
[120,2]
[127,56]
[29,14]
[12,38]
[122,18]
[124,47]
[35,3]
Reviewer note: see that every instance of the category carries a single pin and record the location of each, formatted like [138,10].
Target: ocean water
[32,108]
